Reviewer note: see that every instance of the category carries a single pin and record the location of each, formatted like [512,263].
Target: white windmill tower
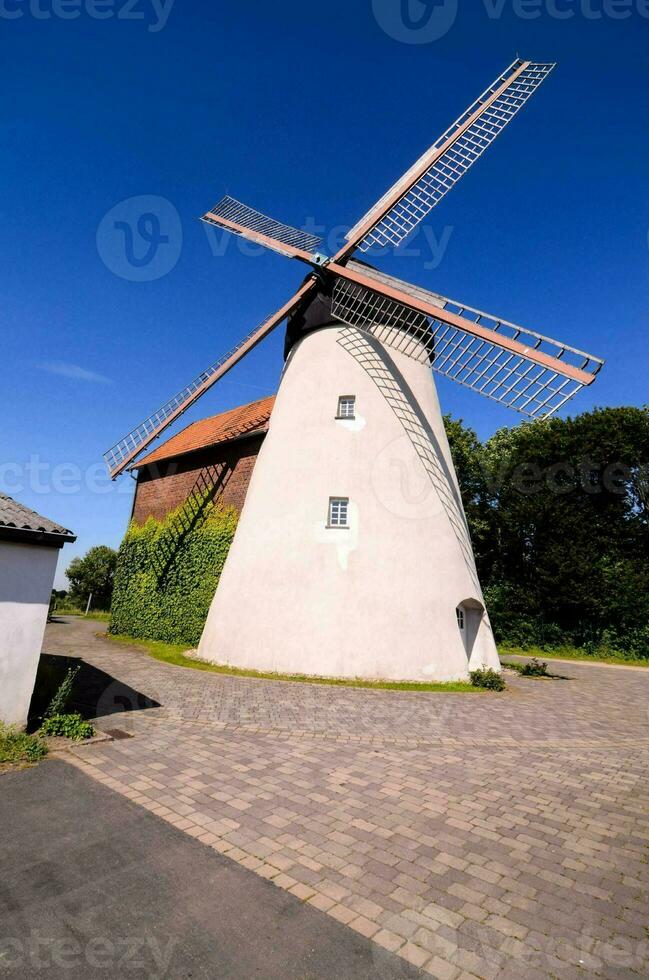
[334,569]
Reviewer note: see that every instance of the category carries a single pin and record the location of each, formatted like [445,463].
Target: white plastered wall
[377,600]
[26,577]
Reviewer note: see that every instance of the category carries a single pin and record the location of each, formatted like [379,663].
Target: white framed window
[459,612]
[338,508]
[346,407]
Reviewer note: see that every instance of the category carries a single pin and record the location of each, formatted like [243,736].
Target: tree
[94,573]
[559,513]
[573,533]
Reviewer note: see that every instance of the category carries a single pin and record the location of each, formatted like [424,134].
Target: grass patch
[175,654]
[19,747]
[103,617]
[571,653]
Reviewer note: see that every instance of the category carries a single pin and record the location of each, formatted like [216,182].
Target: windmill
[337,568]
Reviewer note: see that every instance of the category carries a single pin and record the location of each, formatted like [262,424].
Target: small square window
[459,612]
[346,407]
[338,507]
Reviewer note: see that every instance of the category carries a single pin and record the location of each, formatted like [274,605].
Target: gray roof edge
[45,539]
[16,519]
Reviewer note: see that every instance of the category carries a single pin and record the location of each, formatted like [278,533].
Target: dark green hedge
[559,518]
[164,585]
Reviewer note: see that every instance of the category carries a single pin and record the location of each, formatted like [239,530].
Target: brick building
[221,450]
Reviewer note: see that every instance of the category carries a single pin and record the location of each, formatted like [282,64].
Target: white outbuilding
[29,549]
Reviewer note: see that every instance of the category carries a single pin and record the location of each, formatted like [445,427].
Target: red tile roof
[245,420]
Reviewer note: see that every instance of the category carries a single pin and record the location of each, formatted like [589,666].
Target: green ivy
[165,582]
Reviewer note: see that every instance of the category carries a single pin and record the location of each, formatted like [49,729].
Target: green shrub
[488,678]
[164,584]
[59,702]
[632,644]
[17,746]
[70,726]
[516,629]
[531,668]
[524,632]
[534,668]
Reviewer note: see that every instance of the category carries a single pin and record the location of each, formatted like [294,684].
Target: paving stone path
[489,835]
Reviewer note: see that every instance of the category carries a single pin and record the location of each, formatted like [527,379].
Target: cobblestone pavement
[490,835]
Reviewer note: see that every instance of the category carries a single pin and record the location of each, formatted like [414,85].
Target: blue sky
[308,112]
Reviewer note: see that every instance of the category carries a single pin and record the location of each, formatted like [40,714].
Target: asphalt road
[94,886]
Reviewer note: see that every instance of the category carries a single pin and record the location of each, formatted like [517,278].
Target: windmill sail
[512,365]
[127,449]
[240,219]
[415,194]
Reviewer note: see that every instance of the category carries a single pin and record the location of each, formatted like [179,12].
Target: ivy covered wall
[167,573]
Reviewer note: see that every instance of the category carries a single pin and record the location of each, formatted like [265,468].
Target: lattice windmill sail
[415,194]
[389,221]
[515,366]
[352,325]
